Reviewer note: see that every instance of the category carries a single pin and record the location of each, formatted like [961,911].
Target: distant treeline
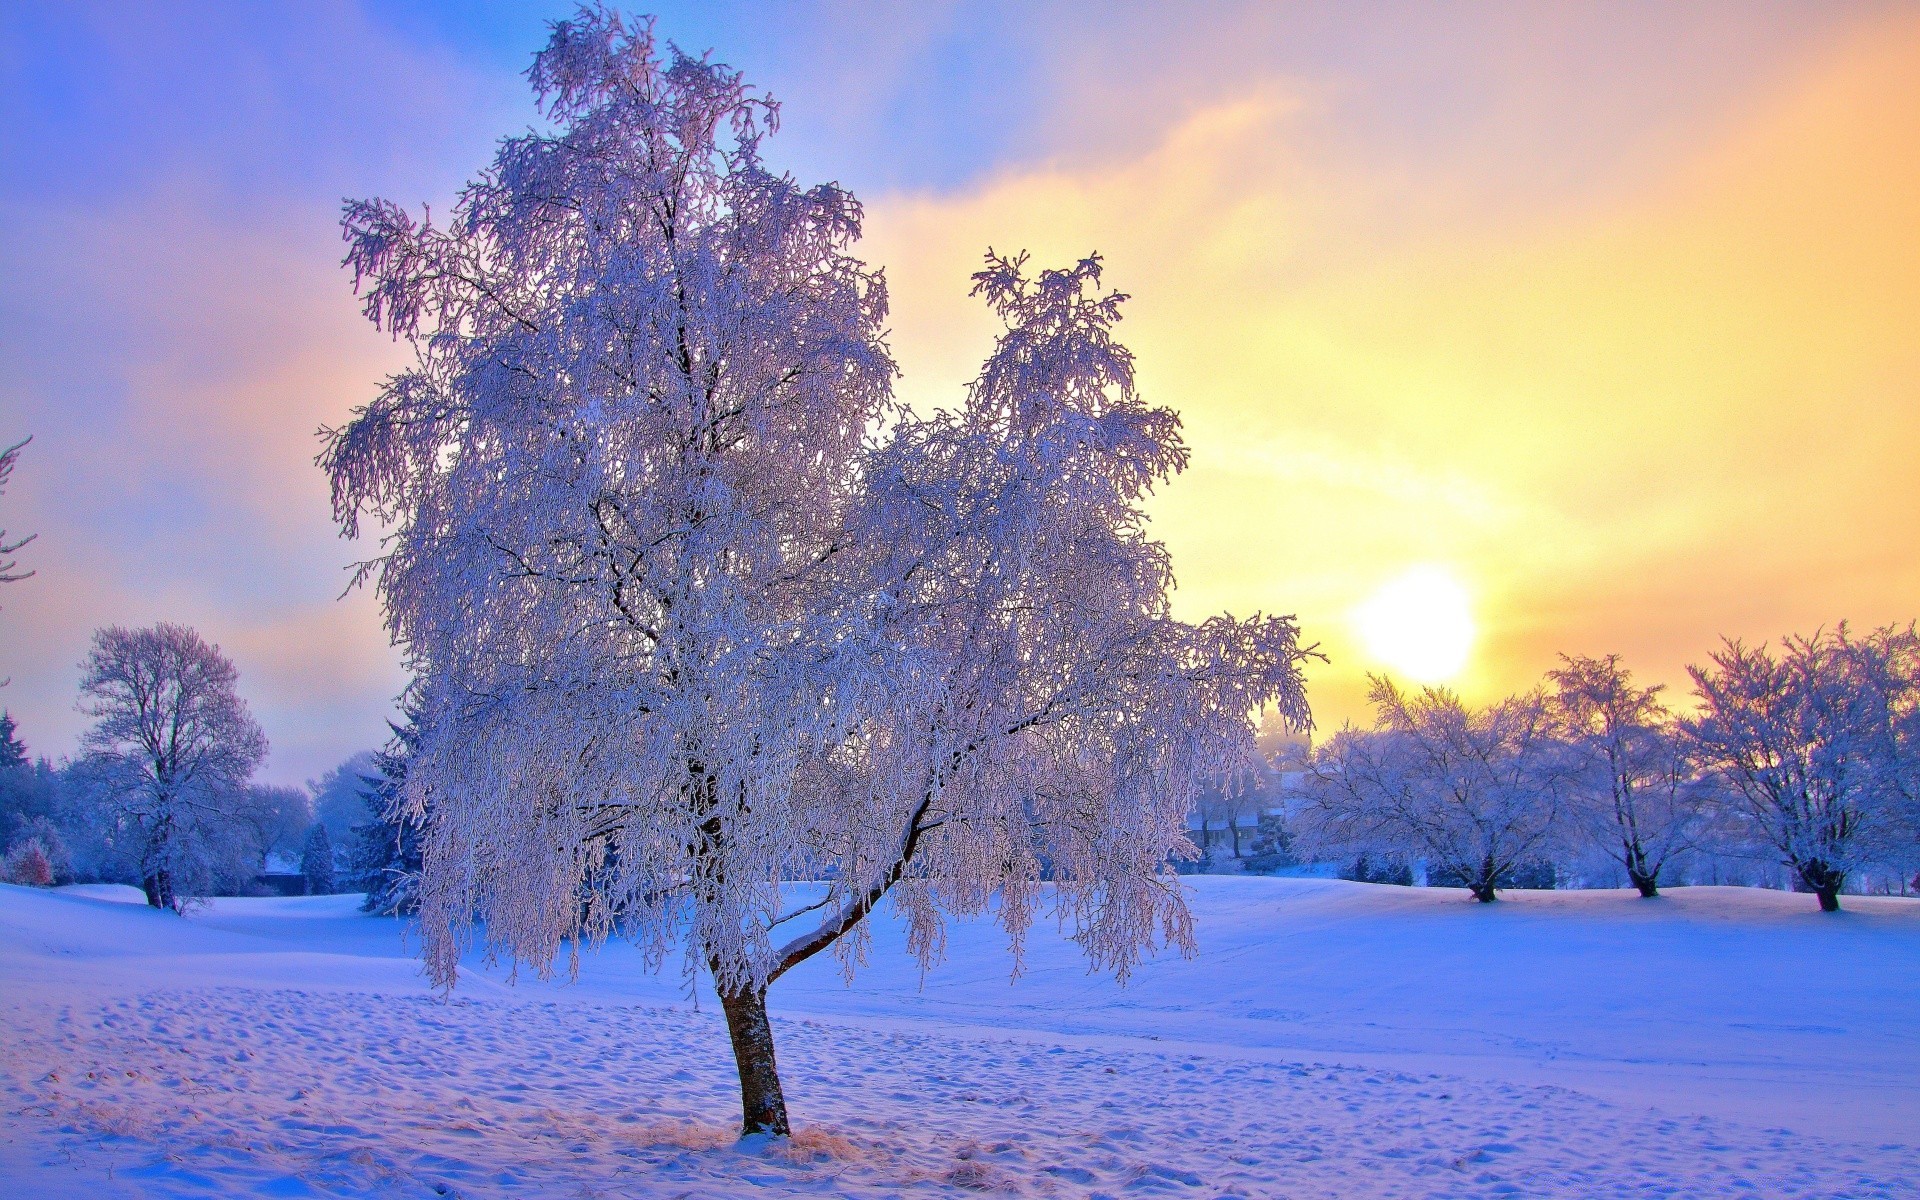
[1804,756]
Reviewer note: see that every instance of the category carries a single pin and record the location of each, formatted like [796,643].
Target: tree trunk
[1482,888]
[159,888]
[1824,882]
[763,1109]
[1638,872]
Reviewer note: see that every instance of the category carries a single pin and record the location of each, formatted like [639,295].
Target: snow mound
[119,893]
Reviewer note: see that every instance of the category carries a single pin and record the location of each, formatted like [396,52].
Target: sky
[1499,330]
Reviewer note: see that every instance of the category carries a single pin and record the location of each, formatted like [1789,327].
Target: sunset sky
[1584,328]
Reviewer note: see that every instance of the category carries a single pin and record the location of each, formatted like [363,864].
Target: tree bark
[1649,887]
[763,1108]
[159,888]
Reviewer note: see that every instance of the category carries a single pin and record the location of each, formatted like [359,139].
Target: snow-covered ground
[1331,1039]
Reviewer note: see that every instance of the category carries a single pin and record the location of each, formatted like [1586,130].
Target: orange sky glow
[1628,425]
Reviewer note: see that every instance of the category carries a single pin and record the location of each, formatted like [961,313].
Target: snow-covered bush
[1474,792]
[29,864]
[695,609]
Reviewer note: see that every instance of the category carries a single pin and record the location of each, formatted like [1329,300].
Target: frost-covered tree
[171,749]
[385,860]
[1475,792]
[316,860]
[683,630]
[1813,744]
[273,819]
[340,796]
[1632,791]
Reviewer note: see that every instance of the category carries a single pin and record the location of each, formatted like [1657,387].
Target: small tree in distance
[1476,792]
[171,748]
[316,860]
[1632,790]
[684,630]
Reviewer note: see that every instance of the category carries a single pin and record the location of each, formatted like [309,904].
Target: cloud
[1677,405]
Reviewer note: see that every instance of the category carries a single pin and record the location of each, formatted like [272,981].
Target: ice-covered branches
[170,751]
[686,629]
[1815,744]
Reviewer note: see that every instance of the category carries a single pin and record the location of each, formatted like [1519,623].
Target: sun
[1419,624]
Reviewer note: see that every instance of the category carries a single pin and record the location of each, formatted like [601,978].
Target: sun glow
[1418,624]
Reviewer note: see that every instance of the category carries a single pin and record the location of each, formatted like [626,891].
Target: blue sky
[1460,287]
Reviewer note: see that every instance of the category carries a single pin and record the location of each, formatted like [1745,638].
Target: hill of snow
[1330,1039]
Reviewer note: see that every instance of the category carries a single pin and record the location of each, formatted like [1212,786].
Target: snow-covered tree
[316,860]
[171,748]
[683,632]
[1475,792]
[1813,744]
[340,796]
[1633,791]
[273,818]
[385,860]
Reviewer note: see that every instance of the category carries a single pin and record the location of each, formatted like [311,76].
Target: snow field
[287,1048]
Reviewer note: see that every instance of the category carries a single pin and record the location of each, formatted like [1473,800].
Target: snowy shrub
[28,864]
[1369,869]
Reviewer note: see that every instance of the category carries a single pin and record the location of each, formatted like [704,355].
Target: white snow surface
[1330,1039]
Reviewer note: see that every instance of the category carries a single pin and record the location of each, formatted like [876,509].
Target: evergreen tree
[13,752]
[316,861]
[385,859]
[1272,845]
